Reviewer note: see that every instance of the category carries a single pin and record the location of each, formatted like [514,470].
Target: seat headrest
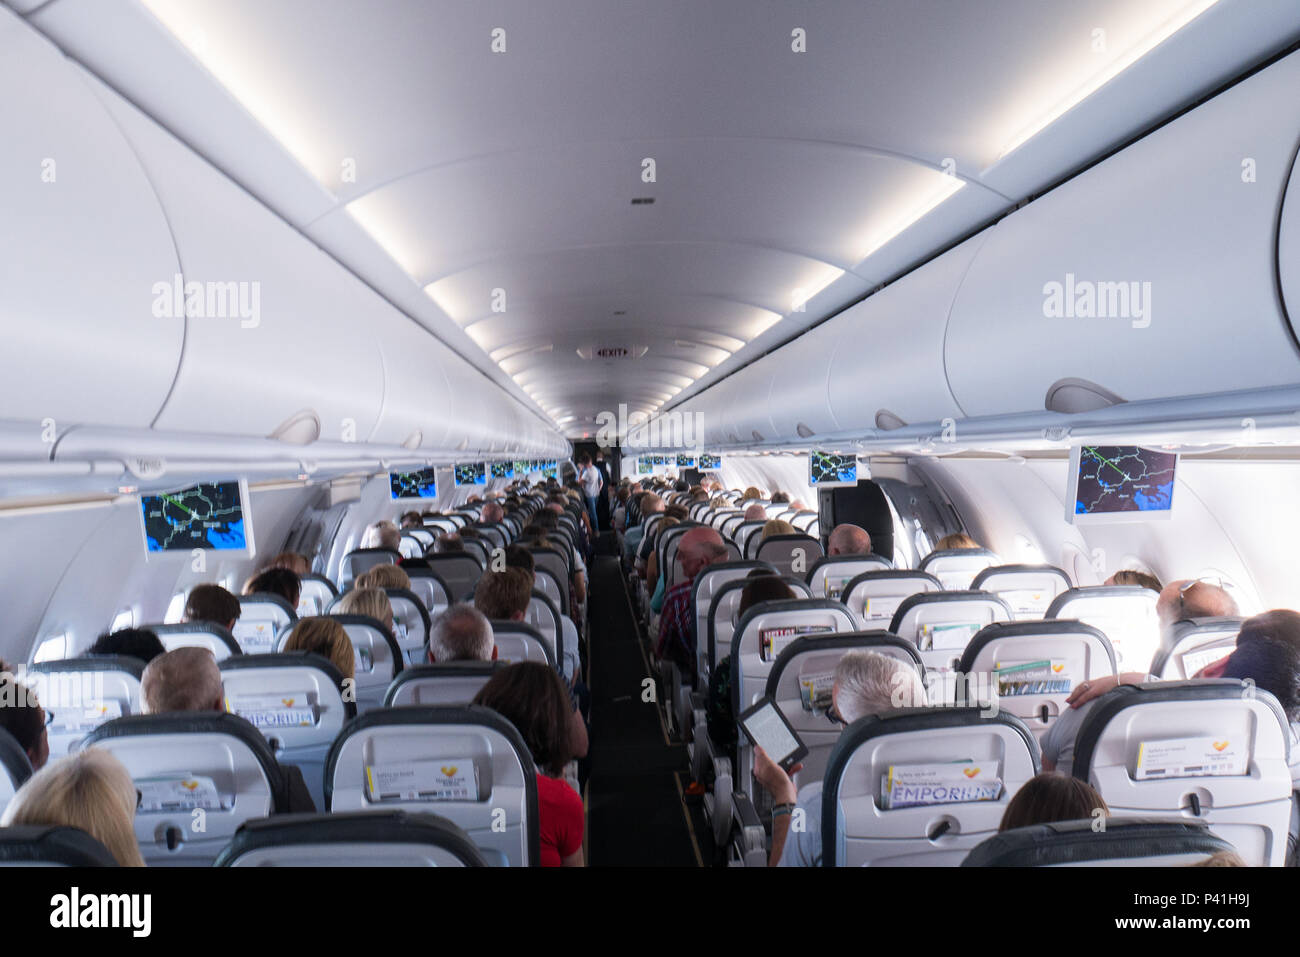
[367,827]
[1077,842]
[121,663]
[220,632]
[52,844]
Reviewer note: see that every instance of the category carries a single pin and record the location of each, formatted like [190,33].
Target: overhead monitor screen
[644,466]
[1120,483]
[473,473]
[208,515]
[710,462]
[522,468]
[503,469]
[659,459]
[685,461]
[827,469]
[421,484]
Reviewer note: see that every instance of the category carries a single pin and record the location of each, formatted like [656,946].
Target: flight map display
[421,484]
[827,468]
[472,473]
[1123,478]
[208,515]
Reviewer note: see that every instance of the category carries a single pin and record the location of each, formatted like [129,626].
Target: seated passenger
[412,520]
[957,540]
[383,576]
[1047,798]
[696,550]
[755,513]
[1127,576]
[90,790]
[778,526]
[382,535]
[276,581]
[517,556]
[186,679]
[532,697]
[1267,652]
[300,565]
[752,494]
[866,683]
[212,603]
[652,579]
[651,504]
[327,638]
[140,643]
[848,539]
[371,602]
[1193,598]
[780,498]
[461,633]
[492,514]
[1221,859]
[448,543]
[24,718]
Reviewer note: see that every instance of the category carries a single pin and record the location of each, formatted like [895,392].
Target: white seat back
[1030,667]
[367,839]
[410,623]
[518,641]
[83,693]
[1119,739]
[545,617]
[453,683]
[1125,613]
[956,568]
[221,753]
[295,699]
[828,577]
[377,655]
[706,585]
[317,593]
[723,617]
[1028,589]
[261,618]
[471,751]
[459,571]
[431,590]
[874,596]
[791,554]
[860,829]
[197,634]
[942,623]
[361,560]
[1194,643]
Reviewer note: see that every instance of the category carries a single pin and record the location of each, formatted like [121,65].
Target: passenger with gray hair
[186,679]
[866,683]
[383,534]
[461,633]
[849,540]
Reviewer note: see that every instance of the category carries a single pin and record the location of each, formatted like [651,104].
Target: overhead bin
[83,242]
[276,338]
[1150,276]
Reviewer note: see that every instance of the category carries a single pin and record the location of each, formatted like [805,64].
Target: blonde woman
[956,541]
[778,526]
[327,638]
[383,576]
[371,602]
[90,790]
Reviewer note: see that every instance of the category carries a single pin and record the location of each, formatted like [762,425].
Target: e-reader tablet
[766,727]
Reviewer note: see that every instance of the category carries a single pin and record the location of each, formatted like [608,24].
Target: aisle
[635,815]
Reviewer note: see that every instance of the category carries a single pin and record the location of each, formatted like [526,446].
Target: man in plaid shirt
[698,548]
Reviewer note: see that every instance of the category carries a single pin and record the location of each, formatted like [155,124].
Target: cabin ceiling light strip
[1148,43]
[944,186]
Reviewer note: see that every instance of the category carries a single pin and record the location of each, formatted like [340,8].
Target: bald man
[697,549]
[1192,598]
[186,679]
[849,540]
[756,513]
[492,513]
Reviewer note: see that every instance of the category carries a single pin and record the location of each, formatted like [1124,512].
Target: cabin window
[123,619]
[53,648]
[175,609]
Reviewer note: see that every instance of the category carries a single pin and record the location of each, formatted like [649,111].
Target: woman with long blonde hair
[327,638]
[90,790]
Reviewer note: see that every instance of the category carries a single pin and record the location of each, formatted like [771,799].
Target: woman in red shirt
[532,697]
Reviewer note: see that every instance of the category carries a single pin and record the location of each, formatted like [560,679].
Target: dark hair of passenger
[531,696]
[780,498]
[762,588]
[276,581]
[1051,797]
[211,603]
[501,595]
[139,643]
[450,542]
[680,486]
[20,713]
[1272,662]
[678,512]
[519,557]
[547,519]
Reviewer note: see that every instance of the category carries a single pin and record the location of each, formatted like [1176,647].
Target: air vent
[643,200]
[887,421]
[1079,395]
[413,440]
[804,431]
[758,436]
[301,428]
